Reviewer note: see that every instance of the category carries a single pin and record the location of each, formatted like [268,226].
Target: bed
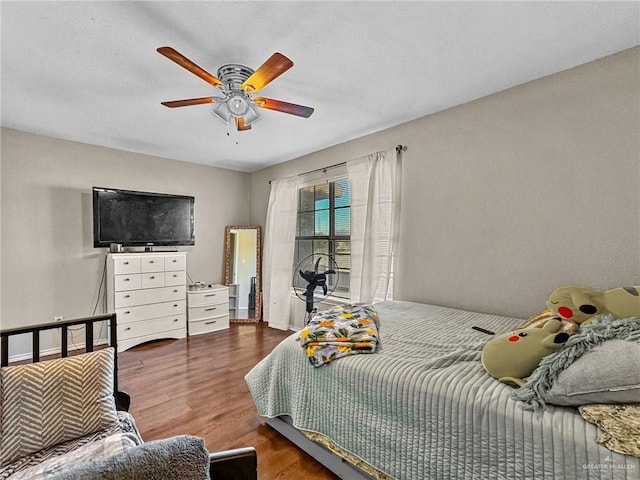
[424,408]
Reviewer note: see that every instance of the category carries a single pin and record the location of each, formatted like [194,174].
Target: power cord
[102,281]
[103,278]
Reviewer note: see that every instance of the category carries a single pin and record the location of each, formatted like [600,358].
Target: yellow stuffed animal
[580,304]
[542,318]
[513,356]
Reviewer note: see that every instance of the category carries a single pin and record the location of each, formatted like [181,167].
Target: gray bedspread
[424,408]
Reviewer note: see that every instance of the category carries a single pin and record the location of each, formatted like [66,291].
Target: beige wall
[49,265]
[510,196]
[504,199]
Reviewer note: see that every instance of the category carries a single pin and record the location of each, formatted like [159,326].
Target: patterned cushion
[50,402]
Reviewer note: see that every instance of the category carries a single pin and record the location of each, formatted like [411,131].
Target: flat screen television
[141,218]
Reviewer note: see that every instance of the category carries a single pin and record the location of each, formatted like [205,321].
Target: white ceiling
[89,71]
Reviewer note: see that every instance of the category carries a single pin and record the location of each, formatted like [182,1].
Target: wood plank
[196,386]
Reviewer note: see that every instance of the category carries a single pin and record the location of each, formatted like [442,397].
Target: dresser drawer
[155,325]
[125,264]
[144,312]
[206,311]
[175,262]
[208,297]
[152,280]
[208,325]
[152,264]
[126,282]
[143,297]
[175,278]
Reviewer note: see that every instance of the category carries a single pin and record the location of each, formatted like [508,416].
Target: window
[324,226]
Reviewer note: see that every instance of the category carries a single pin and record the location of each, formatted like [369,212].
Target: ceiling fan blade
[184,62]
[188,102]
[280,106]
[275,66]
[240,125]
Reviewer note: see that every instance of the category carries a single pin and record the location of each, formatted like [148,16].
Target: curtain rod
[399,148]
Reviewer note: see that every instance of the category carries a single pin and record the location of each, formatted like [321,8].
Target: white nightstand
[208,309]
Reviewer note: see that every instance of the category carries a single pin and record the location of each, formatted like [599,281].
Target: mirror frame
[227,267]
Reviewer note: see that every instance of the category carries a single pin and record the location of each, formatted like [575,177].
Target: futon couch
[60,421]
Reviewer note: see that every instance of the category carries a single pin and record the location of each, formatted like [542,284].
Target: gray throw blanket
[535,392]
[177,458]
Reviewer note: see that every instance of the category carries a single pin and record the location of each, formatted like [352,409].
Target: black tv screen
[141,218]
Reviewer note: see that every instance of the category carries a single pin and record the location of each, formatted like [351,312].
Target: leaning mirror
[242,269]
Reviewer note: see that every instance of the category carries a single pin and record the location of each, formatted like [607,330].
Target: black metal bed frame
[123,400]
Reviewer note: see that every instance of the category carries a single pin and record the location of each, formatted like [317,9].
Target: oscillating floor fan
[314,279]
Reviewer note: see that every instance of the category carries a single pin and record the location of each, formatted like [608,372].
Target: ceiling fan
[238,85]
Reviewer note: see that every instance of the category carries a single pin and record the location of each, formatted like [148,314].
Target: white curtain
[375,204]
[279,246]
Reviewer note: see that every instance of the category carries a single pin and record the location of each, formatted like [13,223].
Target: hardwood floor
[196,386]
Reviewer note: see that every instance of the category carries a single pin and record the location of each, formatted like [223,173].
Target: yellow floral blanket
[340,332]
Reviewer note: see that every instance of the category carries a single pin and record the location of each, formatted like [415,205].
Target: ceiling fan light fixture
[221,110]
[252,115]
[238,104]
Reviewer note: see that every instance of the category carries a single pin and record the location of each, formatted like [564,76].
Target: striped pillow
[47,403]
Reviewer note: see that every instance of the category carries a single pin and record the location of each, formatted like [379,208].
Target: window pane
[306,227]
[343,221]
[342,248]
[331,279]
[321,246]
[324,263]
[304,248]
[322,196]
[322,223]
[306,200]
[343,282]
[343,261]
[342,193]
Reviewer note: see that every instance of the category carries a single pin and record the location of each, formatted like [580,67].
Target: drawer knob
[127,296]
[210,295]
[127,312]
[150,261]
[151,277]
[174,260]
[209,309]
[174,275]
[175,291]
[175,319]
[126,263]
[209,323]
[127,329]
[175,304]
[126,280]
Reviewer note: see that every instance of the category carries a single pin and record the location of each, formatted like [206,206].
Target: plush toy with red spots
[513,356]
[580,304]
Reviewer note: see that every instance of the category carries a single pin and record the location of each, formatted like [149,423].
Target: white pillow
[608,373]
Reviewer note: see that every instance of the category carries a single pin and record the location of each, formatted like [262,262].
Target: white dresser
[208,309]
[147,291]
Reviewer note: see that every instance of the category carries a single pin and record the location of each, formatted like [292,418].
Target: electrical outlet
[58,318]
